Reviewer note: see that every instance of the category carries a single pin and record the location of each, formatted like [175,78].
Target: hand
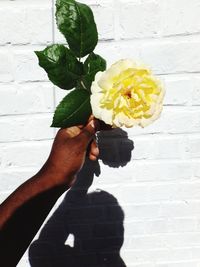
[69,150]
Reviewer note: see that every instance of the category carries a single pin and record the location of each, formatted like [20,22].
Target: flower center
[127,93]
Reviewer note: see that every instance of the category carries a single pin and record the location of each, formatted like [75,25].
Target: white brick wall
[159,189]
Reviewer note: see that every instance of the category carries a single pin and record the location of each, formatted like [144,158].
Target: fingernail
[92,124]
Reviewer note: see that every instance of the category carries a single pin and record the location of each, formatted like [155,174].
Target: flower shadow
[94,221]
[115,147]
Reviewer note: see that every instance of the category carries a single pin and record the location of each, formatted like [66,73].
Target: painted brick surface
[156,186]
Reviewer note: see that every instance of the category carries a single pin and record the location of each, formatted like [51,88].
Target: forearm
[23,213]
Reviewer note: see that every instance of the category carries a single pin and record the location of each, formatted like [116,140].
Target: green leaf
[74,109]
[76,22]
[93,64]
[61,65]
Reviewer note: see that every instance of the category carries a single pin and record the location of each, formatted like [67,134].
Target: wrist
[54,177]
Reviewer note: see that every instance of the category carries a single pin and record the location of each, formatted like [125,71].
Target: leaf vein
[77,110]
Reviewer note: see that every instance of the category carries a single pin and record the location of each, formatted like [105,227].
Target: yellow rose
[127,95]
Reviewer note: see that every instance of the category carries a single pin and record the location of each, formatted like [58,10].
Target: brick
[179,90]
[172,121]
[159,243]
[6,68]
[169,56]
[170,147]
[196,91]
[180,209]
[109,51]
[157,193]
[35,127]
[26,65]
[196,170]
[183,17]
[159,147]
[194,147]
[30,29]
[162,256]
[153,20]
[26,98]
[144,25]
[161,170]
[27,154]
[11,179]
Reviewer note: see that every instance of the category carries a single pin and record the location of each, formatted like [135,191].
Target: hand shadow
[93,220]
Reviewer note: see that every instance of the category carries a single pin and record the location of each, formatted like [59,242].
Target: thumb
[88,132]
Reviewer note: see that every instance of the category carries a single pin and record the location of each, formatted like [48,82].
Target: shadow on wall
[87,228]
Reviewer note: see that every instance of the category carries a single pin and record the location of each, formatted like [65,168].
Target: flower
[127,94]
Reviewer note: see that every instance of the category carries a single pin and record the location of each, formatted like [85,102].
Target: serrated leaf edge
[52,125]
